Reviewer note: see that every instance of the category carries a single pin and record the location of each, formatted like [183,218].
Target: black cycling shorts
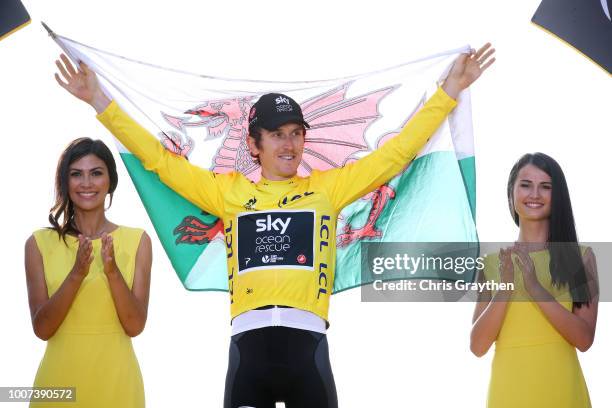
[279,364]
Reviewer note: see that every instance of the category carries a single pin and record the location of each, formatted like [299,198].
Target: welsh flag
[204,118]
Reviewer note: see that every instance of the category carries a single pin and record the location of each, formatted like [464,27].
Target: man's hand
[467,69]
[82,83]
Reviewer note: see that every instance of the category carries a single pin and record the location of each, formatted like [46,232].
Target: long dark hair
[566,265]
[63,208]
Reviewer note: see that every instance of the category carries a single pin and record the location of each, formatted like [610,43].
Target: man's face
[280,151]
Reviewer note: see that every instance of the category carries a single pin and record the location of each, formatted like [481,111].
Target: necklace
[96,235]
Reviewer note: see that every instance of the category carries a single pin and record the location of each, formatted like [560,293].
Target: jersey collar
[265,182]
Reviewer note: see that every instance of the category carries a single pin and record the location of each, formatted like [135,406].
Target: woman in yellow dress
[552,309]
[88,286]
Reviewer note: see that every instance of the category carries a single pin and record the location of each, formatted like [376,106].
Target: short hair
[255,133]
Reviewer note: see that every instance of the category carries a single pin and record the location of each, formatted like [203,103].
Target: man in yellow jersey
[279,232]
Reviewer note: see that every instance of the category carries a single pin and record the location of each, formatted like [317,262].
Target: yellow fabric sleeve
[200,186]
[346,184]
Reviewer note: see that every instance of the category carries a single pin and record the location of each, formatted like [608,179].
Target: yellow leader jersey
[280,235]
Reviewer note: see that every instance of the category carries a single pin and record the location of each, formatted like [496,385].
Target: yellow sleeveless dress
[533,365]
[90,350]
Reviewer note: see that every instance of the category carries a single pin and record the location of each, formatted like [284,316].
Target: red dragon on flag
[337,134]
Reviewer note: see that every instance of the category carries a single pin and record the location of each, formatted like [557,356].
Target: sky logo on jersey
[268,225]
[276,239]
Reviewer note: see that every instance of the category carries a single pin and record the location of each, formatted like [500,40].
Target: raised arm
[200,186]
[350,182]
[48,313]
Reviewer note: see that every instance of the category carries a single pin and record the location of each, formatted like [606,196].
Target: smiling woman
[87,180]
[551,308]
[85,174]
[531,194]
[88,286]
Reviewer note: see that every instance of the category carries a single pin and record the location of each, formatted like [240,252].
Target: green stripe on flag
[468,171]
[430,205]
[166,209]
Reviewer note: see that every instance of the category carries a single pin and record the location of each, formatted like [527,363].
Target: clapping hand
[108,255]
[506,267]
[525,264]
[84,257]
